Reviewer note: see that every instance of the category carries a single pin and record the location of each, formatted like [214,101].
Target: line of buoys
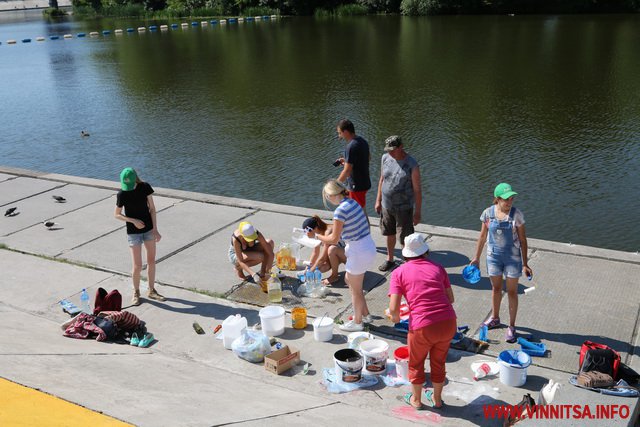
[163,27]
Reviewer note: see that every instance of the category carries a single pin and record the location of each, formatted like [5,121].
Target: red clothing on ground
[422,283]
[432,341]
[360,197]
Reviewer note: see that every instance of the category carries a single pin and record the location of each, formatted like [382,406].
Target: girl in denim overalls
[506,254]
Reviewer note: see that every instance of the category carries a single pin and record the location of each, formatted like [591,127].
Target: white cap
[415,245]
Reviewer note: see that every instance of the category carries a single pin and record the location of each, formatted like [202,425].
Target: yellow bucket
[299,318]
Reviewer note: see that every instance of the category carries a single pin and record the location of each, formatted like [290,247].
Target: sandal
[407,400]
[327,282]
[428,397]
[387,265]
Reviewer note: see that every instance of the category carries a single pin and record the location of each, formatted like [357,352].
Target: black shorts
[390,221]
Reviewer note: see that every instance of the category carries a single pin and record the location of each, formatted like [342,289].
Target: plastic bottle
[481,371]
[317,279]
[482,334]
[309,280]
[274,289]
[84,302]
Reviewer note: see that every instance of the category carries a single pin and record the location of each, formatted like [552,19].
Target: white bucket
[232,328]
[323,329]
[513,367]
[348,365]
[401,356]
[375,354]
[272,320]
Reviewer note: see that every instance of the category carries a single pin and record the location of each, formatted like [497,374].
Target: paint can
[375,354]
[299,318]
[348,365]
[401,356]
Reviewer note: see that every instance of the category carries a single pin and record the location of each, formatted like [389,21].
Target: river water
[550,104]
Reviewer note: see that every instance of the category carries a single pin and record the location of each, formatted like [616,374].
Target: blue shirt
[355,221]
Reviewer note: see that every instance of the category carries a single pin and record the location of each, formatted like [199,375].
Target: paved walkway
[185,379]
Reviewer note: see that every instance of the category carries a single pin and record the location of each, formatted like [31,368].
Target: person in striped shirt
[352,225]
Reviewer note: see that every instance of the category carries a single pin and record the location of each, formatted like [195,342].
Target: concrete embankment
[581,293]
[7,5]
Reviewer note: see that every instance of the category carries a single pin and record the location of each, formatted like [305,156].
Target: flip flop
[326,281]
[407,400]
[428,397]
[69,307]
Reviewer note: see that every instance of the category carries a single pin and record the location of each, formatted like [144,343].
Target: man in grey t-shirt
[398,192]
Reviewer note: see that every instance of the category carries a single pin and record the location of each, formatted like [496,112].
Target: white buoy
[241,19]
[223,21]
[67,36]
[274,16]
[257,18]
[39,39]
[11,41]
[203,23]
[184,24]
[118,31]
[142,29]
[93,34]
[164,27]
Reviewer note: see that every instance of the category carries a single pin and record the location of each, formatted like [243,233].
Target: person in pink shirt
[425,286]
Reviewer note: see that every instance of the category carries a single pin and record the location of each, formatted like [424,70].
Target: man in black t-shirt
[355,172]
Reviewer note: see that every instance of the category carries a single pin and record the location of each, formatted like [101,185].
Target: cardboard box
[281,360]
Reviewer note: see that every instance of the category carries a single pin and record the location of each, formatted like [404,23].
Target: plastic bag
[251,346]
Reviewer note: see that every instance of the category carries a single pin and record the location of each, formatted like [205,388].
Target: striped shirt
[351,214]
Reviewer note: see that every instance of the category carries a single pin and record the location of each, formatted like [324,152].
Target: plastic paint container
[375,354]
[323,329]
[513,367]
[348,365]
[272,320]
[232,328]
[401,356]
[299,318]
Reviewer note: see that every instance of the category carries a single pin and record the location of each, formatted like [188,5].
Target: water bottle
[317,275]
[482,334]
[481,371]
[309,280]
[84,302]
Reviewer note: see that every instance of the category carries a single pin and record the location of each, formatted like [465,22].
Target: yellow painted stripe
[24,406]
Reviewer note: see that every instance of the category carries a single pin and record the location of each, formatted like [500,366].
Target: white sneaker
[352,326]
[367,319]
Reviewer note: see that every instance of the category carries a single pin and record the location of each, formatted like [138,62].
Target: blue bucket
[532,348]
[471,274]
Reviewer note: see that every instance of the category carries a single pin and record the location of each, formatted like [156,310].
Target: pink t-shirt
[422,283]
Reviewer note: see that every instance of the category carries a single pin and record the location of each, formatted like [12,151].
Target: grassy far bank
[160,9]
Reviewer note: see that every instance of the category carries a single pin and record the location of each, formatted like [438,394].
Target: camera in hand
[336,163]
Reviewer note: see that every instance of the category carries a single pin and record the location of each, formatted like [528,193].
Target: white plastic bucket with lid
[348,365]
[401,356]
[232,328]
[513,367]
[375,353]
[272,320]
[323,329]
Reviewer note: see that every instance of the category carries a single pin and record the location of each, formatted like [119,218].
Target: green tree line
[167,8]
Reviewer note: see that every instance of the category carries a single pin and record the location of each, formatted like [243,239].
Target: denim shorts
[507,263]
[138,239]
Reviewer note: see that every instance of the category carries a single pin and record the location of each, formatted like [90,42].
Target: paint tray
[532,348]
